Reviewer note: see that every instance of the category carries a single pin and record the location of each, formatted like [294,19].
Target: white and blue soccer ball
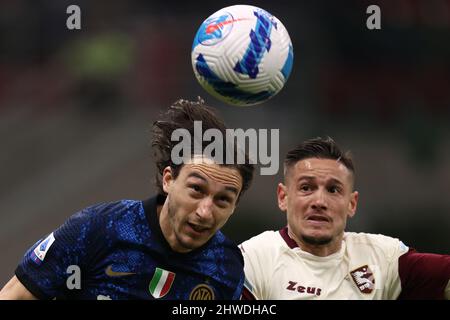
[242,55]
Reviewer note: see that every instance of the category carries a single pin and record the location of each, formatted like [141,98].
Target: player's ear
[282,196]
[167,179]
[353,203]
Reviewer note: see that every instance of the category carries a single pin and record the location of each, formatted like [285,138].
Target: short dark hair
[182,114]
[322,148]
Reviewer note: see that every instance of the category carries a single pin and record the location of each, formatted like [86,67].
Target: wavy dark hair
[182,114]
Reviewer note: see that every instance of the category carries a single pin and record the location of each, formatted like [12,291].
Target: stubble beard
[171,213]
[316,241]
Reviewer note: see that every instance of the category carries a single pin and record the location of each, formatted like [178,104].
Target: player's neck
[318,250]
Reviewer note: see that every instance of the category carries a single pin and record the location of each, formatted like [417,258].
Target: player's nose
[205,208]
[319,202]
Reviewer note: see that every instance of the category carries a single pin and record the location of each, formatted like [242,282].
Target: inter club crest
[202,292]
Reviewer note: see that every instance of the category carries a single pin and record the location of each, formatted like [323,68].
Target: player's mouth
[317,218]
[198,229]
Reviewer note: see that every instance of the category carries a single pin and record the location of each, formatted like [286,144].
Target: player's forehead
[318,168]
[206,170]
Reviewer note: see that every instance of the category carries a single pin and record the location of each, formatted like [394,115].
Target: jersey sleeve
[256,268]
[44,267]
[424,275]
[250,290]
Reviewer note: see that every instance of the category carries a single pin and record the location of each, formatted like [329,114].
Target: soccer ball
[242,55]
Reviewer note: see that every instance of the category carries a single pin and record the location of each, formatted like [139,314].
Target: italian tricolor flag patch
[161,282]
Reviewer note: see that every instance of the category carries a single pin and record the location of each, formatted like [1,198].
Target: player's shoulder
[220,242]
[262,253]
[118,208]
[98,217]
[266,236]
[222,260]
[363,238]
[267,240]
[109,212]
[378,242]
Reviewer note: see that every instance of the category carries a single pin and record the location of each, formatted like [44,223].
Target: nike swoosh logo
[213,27]
[109,272]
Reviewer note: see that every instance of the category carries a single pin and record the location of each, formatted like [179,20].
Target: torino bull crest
[242,55]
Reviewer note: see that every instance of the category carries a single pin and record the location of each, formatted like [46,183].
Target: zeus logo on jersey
[293,286]
[42,248]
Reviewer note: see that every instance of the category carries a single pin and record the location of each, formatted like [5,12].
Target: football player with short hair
[166,247]
[314,258]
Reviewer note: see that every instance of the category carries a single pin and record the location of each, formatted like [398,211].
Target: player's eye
[305,187]
[334,189]
[196,188]
[225,200]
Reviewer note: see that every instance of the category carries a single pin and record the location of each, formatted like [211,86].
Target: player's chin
[317,236]
[193,239]
[317,229]
[317,239]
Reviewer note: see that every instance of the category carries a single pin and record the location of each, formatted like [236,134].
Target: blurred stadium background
[76,107]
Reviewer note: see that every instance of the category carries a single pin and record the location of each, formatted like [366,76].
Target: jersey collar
[150,206]
[292,245]
[289,241]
